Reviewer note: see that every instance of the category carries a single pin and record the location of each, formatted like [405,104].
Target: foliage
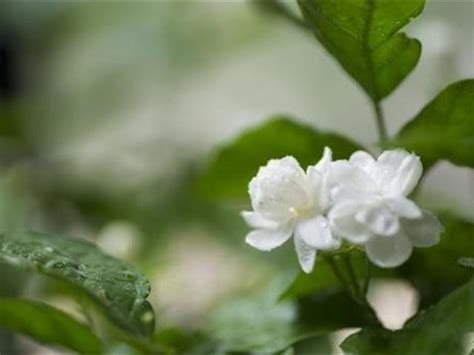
[439,330]
[233,165]
[433,271]
[117,288]
[443,130]
[289,317]
[363,36]
[257,324]
[47,325]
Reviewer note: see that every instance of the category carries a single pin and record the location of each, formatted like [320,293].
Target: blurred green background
[108,111]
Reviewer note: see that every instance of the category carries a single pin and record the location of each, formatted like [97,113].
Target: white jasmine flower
[286,201]
[371,207]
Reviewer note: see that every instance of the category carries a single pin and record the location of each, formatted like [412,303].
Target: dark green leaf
[307,284]
[318,345]
[323,302]
[444,129]
[182,342]
[363,36]
[323,278]
[334,309]
[435,271]
[234,164]
[116,287]
[47,325]
[439,330]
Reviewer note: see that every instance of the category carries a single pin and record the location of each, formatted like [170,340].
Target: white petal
[316,180]
[363,160]
[403,207]
[379,219]
[317,177]
[343,175]
[389,251]
[398,171]
[278,187]
[325,161]
[409,174]
[316,233]
[256,220]
[306,255]
[343,223]
[423,232]
[342,193]
[268,239]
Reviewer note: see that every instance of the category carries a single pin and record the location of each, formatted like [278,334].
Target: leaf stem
[353,278]
[341,278]
[380,120]
[368,272]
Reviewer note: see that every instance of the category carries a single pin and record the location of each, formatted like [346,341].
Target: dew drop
[103,296]
[129,275]
[55,264]
[147,317]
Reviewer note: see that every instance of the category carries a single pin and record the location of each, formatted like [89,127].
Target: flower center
[301,212]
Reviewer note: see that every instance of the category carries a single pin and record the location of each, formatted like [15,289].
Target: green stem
[368,272]
[347,285]
[335,270]
[353,278]
[353,289]
[379,118]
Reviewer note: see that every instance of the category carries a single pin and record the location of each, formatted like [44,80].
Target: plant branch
[368,272]
[341,278]
[380,120]
[353,278]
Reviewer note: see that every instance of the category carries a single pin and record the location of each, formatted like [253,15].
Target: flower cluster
[361,201]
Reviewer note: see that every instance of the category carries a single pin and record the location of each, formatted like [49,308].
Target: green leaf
[435,271]
[363,36]
[116,287]
[333,309]
[444,129]
[439,330]
[256,323]
[233,166]
[307,284]
[323,278]
[47,325]
[263,324]
[323,302]
[314,345]
[183,342]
